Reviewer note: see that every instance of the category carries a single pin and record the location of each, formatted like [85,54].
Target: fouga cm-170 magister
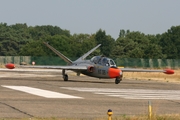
[98,66]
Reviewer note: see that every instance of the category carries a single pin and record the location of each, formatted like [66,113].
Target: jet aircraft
[97,66]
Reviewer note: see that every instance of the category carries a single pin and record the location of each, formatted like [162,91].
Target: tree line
[22,40]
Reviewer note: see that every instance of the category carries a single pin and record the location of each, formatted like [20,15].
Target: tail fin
[58,53]
[89,52]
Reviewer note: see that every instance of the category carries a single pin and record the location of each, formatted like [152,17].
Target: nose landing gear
[118,80]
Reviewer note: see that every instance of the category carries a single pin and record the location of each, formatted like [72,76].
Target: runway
[42,93]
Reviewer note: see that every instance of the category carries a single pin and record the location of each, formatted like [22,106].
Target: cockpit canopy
[103,61]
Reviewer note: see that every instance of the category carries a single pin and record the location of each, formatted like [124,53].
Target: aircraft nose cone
[113,72]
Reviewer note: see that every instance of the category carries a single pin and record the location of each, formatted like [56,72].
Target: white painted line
[131,93]
[40,92]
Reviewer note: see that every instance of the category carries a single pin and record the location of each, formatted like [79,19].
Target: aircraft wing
[58,67]
[167,71]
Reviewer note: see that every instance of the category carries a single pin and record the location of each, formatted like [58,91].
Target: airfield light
[109,114]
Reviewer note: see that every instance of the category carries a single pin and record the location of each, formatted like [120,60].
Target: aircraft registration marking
[100,71]
[40,92]
[132,93]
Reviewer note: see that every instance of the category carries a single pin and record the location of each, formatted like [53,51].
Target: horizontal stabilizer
[58,53]
[89,52]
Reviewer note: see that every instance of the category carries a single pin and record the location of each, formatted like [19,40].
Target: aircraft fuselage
[99,69]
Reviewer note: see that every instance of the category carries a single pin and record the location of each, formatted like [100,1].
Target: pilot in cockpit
[105,61]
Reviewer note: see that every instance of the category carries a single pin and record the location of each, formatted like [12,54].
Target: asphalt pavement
[43,93]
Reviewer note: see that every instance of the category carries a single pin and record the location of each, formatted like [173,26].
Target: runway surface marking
[131,93]
[40,92]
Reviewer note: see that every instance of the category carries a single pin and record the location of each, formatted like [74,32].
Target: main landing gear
[65,76]
[118,80]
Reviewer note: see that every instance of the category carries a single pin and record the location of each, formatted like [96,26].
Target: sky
[88,16]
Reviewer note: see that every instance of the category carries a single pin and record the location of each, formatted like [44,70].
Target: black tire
[65,77]
[117,81]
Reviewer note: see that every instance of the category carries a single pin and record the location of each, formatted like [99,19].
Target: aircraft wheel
[65,77]
[117,80]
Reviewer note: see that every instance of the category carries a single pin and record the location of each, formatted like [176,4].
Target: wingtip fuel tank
[169,71]
[10,66]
